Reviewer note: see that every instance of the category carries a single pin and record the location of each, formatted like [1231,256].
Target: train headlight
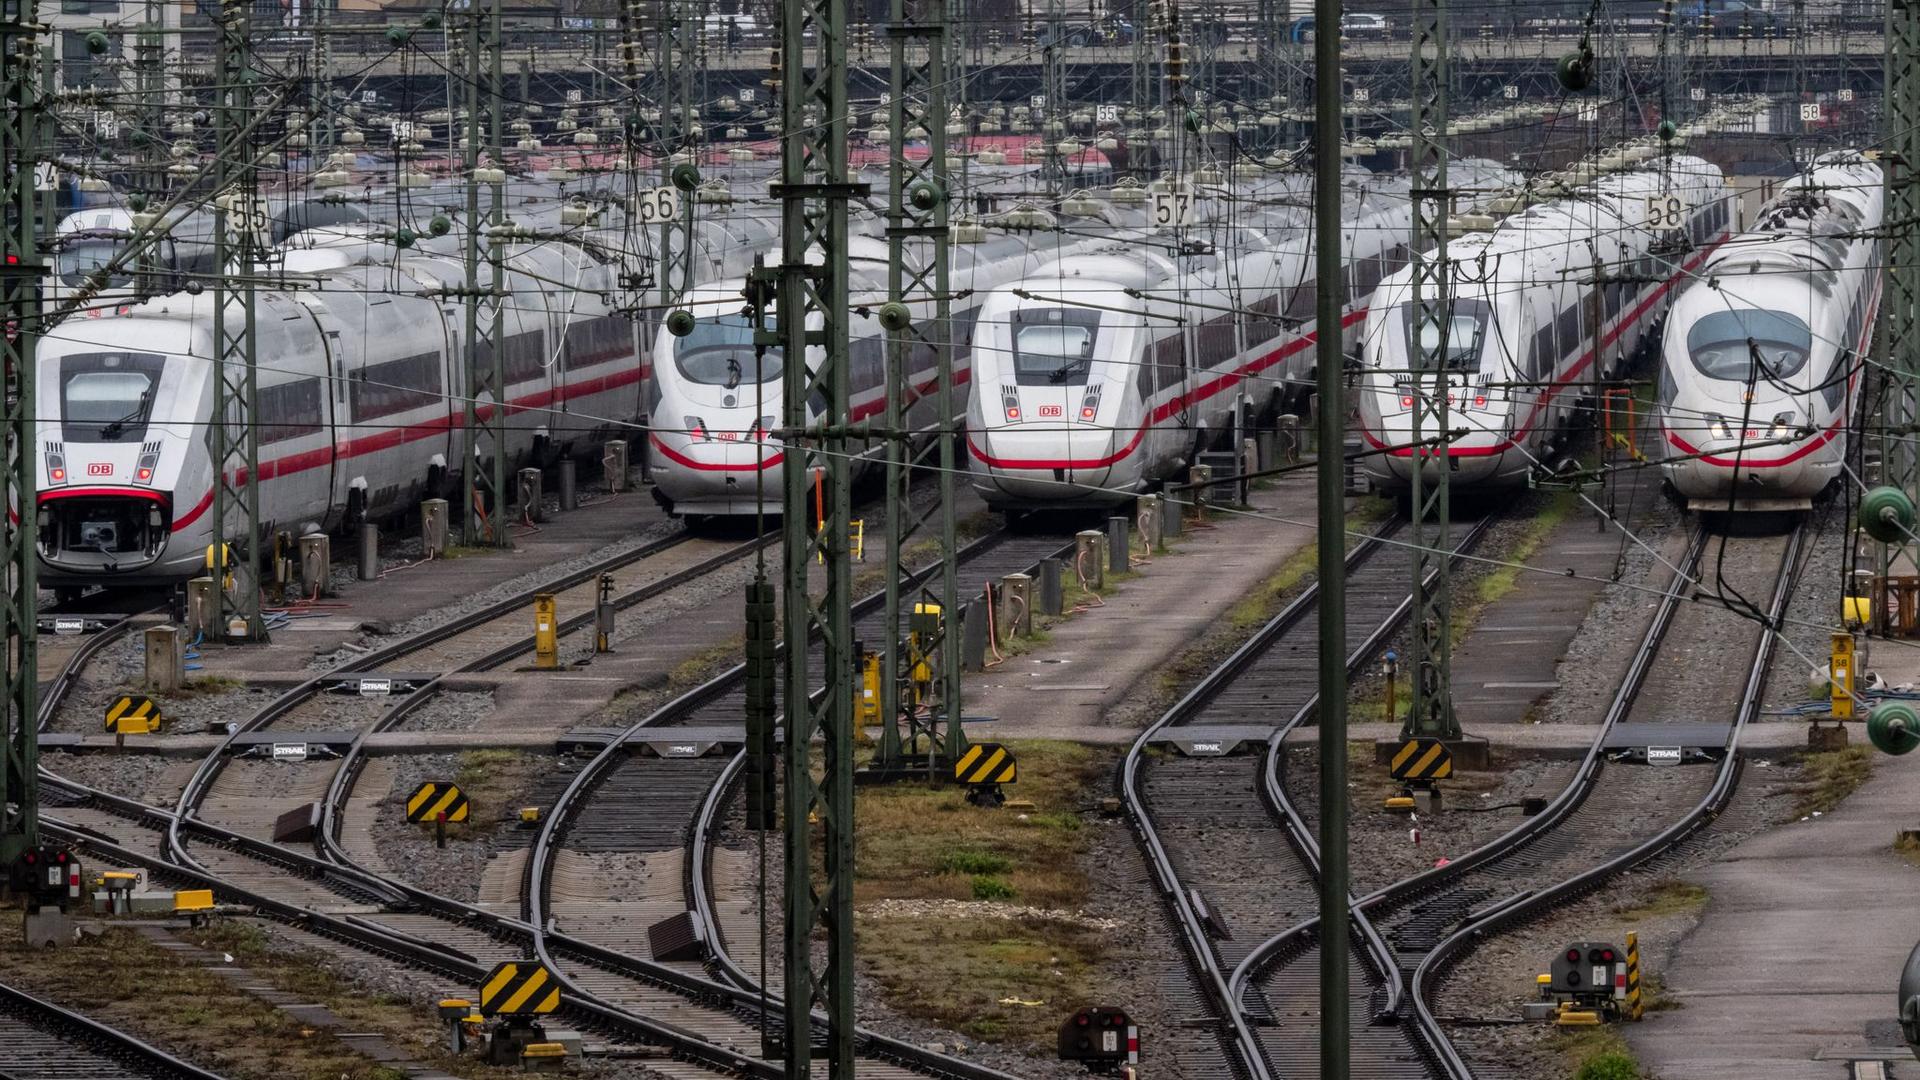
[1090,404]
[1782,425]
[57,468]
[696,428]
[1717,426]
[143,472]
[1010,404]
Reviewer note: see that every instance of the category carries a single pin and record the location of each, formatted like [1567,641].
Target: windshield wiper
[733,374]
[111,431]
[1060,373]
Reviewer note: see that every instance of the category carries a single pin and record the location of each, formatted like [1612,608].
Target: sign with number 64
[658,205]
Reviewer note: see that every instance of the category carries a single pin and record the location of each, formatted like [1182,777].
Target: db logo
[99,469]
[1050,410]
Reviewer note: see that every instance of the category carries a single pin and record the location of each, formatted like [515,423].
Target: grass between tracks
[128,981]
[970,918]
[492,781]
[1597,1053]
[1828,777]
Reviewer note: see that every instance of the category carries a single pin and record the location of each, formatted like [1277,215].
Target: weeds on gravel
[206,686]
[1597,1053]
[1668,896]
[492,781]
[125,979]
[1828,777]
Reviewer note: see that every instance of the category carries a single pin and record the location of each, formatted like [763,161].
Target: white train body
[712,402]
[361,396]
[1520,338]
[1764,352]
[1099,376]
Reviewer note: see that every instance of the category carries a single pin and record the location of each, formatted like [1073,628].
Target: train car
[1763,354]
[362,402]
[713,401]
[1100,375]
[1519,336]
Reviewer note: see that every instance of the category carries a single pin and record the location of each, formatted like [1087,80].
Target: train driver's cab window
[1053,346]
[107,397]
[1742,345]
[1458,336]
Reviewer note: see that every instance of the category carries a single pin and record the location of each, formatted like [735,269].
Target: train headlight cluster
[696,428]
[1010,403]
[143,472]
[1090,404]
[1782,425]
[56,467]
[1717,426]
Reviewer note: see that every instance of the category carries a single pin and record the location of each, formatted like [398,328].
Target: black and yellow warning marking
[1421,759]
[434,798]
[1636,1006]
[519,988]
[132,714]
[986,763]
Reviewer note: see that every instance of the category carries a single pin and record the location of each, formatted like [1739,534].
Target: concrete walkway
[1793,968]
[1097,660]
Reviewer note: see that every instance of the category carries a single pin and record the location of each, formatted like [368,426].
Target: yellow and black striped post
[1636,1008]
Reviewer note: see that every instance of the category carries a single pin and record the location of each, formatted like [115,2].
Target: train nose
[102,531]
[1047,465]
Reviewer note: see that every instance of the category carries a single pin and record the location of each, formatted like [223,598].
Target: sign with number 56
[658,205]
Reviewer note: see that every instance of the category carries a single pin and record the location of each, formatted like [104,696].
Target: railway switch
[546,632]
[1103,1038]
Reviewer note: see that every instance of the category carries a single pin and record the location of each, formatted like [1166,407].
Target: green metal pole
[21,270]
[917,272]
[484,464]
[812,333]
[1901,310]
[1430,710]
[1329,368]
[233,438]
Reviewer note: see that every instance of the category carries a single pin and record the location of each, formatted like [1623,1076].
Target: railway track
[583,888]
[40,1040]
[1423,924]
[1741,583]
[1230,868]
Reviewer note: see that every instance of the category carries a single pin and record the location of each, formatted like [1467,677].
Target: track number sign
[658,205]
[1171,209]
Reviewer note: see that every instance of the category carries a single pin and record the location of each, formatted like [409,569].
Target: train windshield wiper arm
[1060,373]
[112,431]
[733,373]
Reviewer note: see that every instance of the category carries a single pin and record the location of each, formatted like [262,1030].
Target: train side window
[1301,306]
[1569,332]
[396,386]
[869,361]
[596,341]
[1545,356]
[1170,360]
[1213,341]
[1264,324]
[290,410]
[525,355]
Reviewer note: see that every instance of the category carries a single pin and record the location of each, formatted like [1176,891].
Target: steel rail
[69,1028]
[1194,937]
[1527,905]
[742,990]
[1568,800]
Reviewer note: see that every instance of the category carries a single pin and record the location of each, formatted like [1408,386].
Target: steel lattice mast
[20,285]
[484,462]
[1900,311]
[1431,700]
[917,278]
[813,321]
[680,132]
[233,440]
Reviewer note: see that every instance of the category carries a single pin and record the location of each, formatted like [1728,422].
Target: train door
[311,405]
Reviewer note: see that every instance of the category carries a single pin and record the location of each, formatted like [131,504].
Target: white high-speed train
[712,402]
[1519,339]
[1098,376]
[1761,368]
[361,399]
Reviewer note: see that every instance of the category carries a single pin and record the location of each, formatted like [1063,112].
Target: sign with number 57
[1171,209]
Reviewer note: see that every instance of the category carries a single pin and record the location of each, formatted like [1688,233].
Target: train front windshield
[78,260]
[1458,335]
[107,397]
[720,352]
[1053,346]
[1748,345]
